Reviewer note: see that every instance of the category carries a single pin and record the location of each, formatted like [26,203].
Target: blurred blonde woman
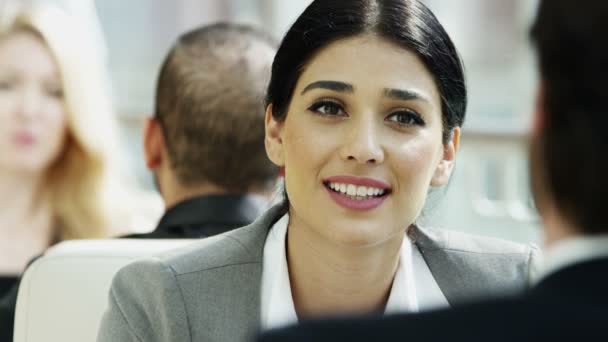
[59,161]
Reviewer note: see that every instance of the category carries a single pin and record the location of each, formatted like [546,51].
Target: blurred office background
[489,192]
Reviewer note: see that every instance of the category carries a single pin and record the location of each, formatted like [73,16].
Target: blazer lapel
[431,245]
[472,268]
[459,274]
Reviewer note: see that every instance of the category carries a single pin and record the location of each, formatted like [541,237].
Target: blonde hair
[82,184]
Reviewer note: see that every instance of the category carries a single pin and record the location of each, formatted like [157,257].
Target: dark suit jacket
[205,216]
[197,217]
[7,313]
[569,305]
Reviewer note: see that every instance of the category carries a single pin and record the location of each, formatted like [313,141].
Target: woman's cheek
[57,132]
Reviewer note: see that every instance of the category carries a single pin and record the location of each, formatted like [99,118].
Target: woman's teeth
[357,192]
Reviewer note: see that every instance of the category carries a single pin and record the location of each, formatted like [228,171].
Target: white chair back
[64,294]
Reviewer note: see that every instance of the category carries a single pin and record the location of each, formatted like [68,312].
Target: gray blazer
[210,291]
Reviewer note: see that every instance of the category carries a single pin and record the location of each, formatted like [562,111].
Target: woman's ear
[274,138]
[446,164]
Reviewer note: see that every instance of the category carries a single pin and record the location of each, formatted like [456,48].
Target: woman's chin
[361,235]
[25,167]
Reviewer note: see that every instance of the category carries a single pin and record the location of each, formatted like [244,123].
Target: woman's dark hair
[406,23]
[567,162]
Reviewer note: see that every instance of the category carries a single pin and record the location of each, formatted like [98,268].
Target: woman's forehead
[26,51]
[369,61]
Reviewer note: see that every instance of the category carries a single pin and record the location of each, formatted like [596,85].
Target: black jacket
[205,216]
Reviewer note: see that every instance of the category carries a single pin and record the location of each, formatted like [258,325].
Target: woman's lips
[357,193]
[359,181]
[24,139]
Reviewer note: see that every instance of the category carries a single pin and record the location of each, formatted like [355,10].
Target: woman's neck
[25,210]
[26,221]
[23,196]
[331,279]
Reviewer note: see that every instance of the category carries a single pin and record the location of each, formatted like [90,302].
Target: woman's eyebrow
[330,85]
[404,95]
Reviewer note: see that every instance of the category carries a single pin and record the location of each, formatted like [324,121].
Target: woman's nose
[363,144]
[29,104]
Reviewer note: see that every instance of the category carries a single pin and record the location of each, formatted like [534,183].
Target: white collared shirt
[572,251]
[414,287]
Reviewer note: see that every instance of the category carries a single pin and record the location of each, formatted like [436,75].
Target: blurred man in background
[569,300]
[205,143]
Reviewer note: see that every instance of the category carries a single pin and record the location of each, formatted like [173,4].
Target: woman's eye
[328,108]
[55,93]
[406,118]
[6,85]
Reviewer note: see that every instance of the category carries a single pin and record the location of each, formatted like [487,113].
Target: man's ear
[446,165]
[274,138]
[154,143]
[538,121]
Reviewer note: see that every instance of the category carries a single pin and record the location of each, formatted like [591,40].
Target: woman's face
[32,112]
[362,142]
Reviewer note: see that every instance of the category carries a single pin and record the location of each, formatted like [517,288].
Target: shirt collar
[413,288]
[572,251]
[403,296]
[230,209]
[277,305]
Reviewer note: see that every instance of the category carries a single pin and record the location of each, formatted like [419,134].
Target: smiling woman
[370,115]
[365,117]
[364,109]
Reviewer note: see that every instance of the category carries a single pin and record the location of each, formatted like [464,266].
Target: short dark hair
[209,102]
[407,23]
[569,151]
